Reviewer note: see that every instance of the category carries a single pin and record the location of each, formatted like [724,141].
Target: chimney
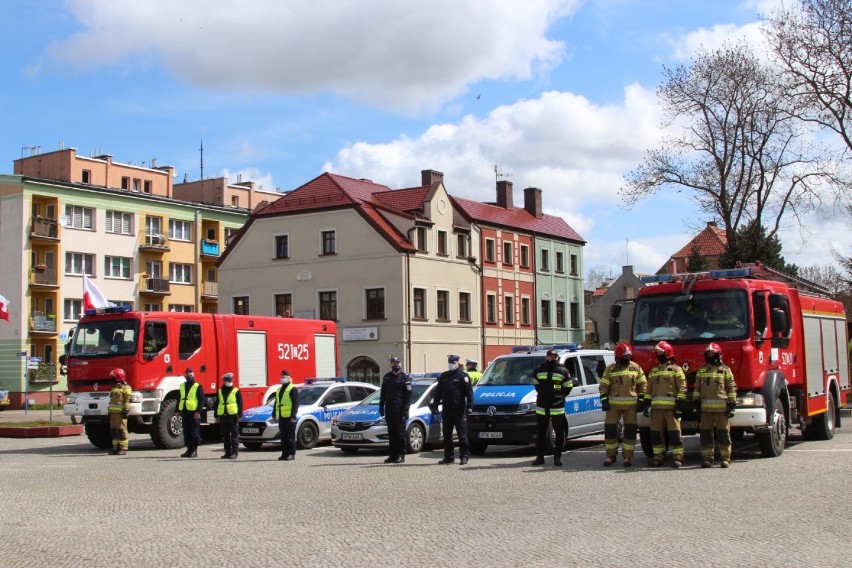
[430,177]
[711,223]
[532,201]
[504,194]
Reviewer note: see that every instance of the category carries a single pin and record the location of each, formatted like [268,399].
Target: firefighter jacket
[192,401]
[623,384]
[119,398]
[286,402]
[229,401]
[395,397]
[715,388]
[666,387]
[552,384]
[454,390]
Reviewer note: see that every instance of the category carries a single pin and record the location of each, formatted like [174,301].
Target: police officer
[394,402]
[552,384]
[716,396]
[190,405]
[118,409]
[666,397]
[286,412]
[474,375]
[622,390]
[229,410]
[456,393]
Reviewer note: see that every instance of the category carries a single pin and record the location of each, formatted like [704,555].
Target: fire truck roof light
[656,278]
[112,310]
[731,273]
[557,346]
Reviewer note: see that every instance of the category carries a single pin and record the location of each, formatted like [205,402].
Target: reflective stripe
[714,404]
[553,411]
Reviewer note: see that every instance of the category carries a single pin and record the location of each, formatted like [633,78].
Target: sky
[554,94]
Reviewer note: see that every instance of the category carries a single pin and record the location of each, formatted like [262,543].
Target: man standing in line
[456,393]
[666,397]
[394,402]
[118,409]
[190,406]
[716,394]
[552,384]
[622,389]
[286,411]
[229,410]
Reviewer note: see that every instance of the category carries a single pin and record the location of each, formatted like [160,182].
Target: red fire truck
[784,340]
[156,348]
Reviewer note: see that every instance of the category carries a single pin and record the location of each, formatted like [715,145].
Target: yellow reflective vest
[283,402]
[191,403]
[229,406]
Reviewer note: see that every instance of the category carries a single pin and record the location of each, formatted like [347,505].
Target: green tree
[753,243]
[696,261]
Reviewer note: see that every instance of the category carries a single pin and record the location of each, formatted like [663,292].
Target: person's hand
[197,415]
[646,412]
[293,419]
[605,404]
[732,408]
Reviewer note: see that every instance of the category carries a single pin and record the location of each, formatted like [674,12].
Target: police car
[319,402]
[504,398]
[363,427]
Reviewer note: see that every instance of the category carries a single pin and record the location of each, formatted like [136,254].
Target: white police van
[504,398]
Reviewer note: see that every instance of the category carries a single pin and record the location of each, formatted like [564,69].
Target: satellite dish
[63,220]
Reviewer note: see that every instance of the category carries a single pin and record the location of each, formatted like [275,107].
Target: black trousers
[288,436]
[455,418]
[229,424]
[541,422]
[191,430]
[396,434]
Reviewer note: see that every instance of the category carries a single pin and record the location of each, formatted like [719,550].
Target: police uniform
[472,372]
[716,393]
[621,387]
[190,405]
[119,407]
[286,410]
[394,403]
[552,383]
[456,393]
[229,409]
[666,396]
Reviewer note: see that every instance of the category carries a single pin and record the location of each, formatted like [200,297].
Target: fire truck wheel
[415,438]
[306,437]
[167,428]
[773,440]
[478,448]
[99,434]
[822,427]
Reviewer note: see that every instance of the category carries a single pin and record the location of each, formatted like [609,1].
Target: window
[180,230]
[154,268]
[119,222]
[464,306]
[117,267]
[560,314]
[241,305]
[442,306]
[73,310]
[79,263]
[190,339]
[545,313]
[87,176]
[491,308]
[575,314]
[461,246]
[125,183]
[442,243]
[235,201]
[328,305]
[282,246]
[284,305]
[80,217]
[419,303]
[525,256]
[181,308]
[329,242]
[211,234]
[375,303]
[525,311]
[545,260]
[422,245]
[137,184]
[509,312]
[560,262]
[574,267]
[155,338]
[489,250]
[229,234]
[147,186]
[153,307]
[507,253]
[154,231]
[180,273]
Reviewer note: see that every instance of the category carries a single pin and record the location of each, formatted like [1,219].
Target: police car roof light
[111,310]
[310,381]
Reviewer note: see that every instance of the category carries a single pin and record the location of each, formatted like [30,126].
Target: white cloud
[262,180]
[405,55]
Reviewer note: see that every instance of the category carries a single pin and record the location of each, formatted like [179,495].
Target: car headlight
[71,399]
[526,407]
[380,422]
[136,397]
[751,399]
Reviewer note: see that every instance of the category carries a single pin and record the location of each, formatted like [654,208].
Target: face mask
[229,383]
[396,368]
[452,366]
[285,380]
[190,379]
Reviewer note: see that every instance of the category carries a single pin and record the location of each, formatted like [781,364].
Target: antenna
[498,173]
[626,252]
[202,159]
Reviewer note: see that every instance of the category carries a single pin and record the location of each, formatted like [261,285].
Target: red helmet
[118,374]
[713,348]
[622,350]
[665,348]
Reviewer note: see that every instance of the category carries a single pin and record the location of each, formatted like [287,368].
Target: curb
[41,431]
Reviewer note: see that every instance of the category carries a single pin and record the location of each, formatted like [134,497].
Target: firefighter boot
[628,462]
[557,460]
[725,464]
[609,461]
[538,461]
[677,463]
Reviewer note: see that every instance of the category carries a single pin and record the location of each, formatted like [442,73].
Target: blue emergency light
[123,309]
[656,278]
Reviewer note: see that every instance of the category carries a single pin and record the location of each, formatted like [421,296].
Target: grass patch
[33,423]
[44,406]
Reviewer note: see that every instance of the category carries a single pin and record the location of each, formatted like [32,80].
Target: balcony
[42,324]
[154,286]
[43,228]
[210,290]
[157,242]
[210,248]
[42,276]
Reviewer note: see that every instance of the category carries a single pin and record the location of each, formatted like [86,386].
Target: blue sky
[558,94]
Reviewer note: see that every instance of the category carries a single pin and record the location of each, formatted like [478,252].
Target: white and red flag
[4,308]
[93,298]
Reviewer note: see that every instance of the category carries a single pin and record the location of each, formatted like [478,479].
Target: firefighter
[622,391]
[119,408]
[666,397]
[190,406]
[474,375]
[716,396]
[286,412]
[722,316]
[229,410]
[552,384]
[455,392]
[394,403]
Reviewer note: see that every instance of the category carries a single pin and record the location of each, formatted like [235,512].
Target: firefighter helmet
[117,374]
[665,348]
[622,351]
[713,348]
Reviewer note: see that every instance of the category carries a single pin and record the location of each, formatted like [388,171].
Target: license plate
[250,431]
[689,425]
[346,436]
[91,411]
[491,434]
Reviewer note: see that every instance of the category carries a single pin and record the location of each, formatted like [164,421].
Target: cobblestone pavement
[66,503]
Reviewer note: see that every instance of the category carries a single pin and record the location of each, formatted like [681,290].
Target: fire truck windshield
[102,338]
[702,316]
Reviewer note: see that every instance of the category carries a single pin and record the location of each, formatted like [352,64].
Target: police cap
[453,358]
[228,377]
[394,360]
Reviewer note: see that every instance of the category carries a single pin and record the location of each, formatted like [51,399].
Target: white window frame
[75,306]
[322,232]
[82,256]
[180,230]
[85,215]
[185,308]
[275,245]
[185,275]
[156,307]
[124,265]
[124,220]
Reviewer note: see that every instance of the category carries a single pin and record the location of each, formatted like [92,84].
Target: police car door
[575,407]
[334,402]
[592,367]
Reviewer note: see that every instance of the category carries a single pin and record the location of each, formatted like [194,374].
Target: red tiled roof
[404,199]
[710,242]
[517,218]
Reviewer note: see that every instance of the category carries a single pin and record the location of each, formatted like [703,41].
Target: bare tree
[739,151]
[596,276]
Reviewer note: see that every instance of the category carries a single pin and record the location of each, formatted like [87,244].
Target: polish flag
[4,308]
[92,297]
